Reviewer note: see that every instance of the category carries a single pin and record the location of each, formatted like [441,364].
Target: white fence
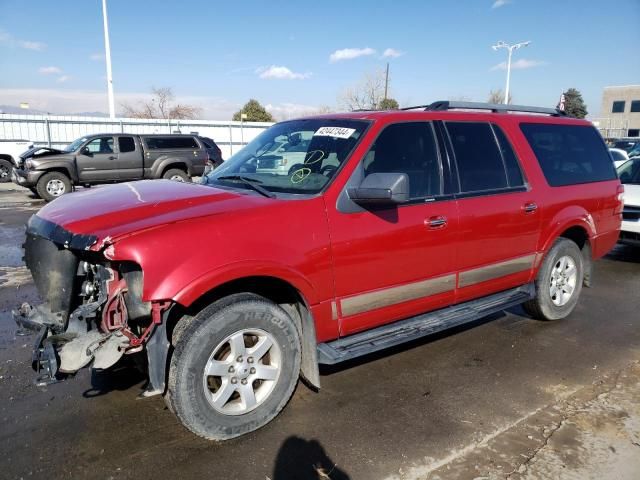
[58,130]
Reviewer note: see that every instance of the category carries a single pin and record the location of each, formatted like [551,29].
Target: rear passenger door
[129,158]
[499,215]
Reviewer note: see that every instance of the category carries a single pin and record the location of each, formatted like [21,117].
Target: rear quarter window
[569,154]
[171,143]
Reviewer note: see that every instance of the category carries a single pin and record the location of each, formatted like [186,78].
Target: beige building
[620,112]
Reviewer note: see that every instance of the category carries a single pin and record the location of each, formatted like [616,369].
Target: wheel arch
[281,292]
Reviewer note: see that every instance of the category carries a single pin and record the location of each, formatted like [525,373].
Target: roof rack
[442,105]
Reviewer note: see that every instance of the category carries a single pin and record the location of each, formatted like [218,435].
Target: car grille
[631,214]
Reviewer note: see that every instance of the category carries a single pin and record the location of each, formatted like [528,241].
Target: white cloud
[49,70]
[29,45]
[280,73]
[392,53]
[521,64]
[500,3]
[63,78]
[350,54]
[9,40]
[97,57]
[284,111]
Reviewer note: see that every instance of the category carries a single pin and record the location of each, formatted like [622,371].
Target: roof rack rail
[494,107]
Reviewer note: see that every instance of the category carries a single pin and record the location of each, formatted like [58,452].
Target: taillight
[620,200]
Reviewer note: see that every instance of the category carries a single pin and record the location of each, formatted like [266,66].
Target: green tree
[574,105]
[254,111]
[388,104]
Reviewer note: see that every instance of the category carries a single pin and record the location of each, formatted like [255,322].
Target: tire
[52,185]
[199,401]
[177,175]
[545,305]
[5,171]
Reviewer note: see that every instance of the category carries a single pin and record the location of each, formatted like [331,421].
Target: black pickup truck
[112,158]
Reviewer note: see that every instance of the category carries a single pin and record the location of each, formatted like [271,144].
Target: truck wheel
[559,282]
[53,184]
[5,171]
[234,367]
[176,175]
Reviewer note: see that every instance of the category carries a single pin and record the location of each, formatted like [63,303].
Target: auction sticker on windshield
[337,132]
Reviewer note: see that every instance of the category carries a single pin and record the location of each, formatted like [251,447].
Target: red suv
[392,226]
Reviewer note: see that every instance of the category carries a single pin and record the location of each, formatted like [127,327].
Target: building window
[635,106]
[618,107]
[634,132]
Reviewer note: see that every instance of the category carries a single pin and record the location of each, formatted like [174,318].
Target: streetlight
[107,52]
[510,49]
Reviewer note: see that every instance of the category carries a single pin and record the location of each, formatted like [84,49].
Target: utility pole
[386,82]
[510,49]
[107,52]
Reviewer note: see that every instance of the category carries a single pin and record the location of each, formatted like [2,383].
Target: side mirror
[381,189]
[85,151]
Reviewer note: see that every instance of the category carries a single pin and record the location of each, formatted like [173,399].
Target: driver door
[97,161]
[398,261]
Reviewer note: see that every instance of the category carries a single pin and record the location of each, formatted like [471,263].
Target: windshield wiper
[250,182]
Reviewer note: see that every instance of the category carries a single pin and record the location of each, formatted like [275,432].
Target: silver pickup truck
[112,158]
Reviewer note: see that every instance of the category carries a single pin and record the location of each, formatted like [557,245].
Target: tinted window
[635,106]
[618,107]
[126,144]
[480,165]
[101,145]
[408,148]
[514,173]
[170,143]
[630,172]
[569,154]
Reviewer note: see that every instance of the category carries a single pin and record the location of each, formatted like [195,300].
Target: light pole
[510,49]
[107,54]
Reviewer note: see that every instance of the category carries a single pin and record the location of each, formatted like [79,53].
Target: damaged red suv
[384,227]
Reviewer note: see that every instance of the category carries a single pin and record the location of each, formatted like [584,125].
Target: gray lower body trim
[496,270]
[393,295]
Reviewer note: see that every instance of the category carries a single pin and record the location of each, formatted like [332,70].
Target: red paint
[189,239]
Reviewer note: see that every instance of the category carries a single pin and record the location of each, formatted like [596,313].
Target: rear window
[569,154]
[170,143]
[126,144]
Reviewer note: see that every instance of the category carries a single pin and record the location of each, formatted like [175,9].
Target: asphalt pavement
[508,397]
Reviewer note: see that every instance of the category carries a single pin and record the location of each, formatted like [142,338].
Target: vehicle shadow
[300,459]
[624,253]
[124,375]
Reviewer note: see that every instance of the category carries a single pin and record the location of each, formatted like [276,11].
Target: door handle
[530,207]
[112,157]
[437,221]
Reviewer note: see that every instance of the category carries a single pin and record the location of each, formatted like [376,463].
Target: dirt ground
[508,397]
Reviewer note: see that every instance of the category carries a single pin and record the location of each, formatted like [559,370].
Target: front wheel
[559,282]
[234,367]
[52,185]
[5,171]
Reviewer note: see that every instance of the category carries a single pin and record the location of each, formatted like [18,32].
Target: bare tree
[366,94]
[497,96]
[161,105]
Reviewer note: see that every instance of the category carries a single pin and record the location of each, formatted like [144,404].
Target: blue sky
[219,54]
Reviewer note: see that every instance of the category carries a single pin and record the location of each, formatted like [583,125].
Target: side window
[514,173]
[170,143]
[101,145]
[479,161]
[569,154]
[408,148]
[126,144]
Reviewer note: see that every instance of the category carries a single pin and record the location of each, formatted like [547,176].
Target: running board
[403,331]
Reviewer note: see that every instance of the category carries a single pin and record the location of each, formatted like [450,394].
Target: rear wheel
[5,171]
[234,367]
[52,185]
[559,282]
[176,175]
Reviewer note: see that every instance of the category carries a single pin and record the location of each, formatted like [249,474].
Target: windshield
[299,156]
[629,172]
[75,145]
